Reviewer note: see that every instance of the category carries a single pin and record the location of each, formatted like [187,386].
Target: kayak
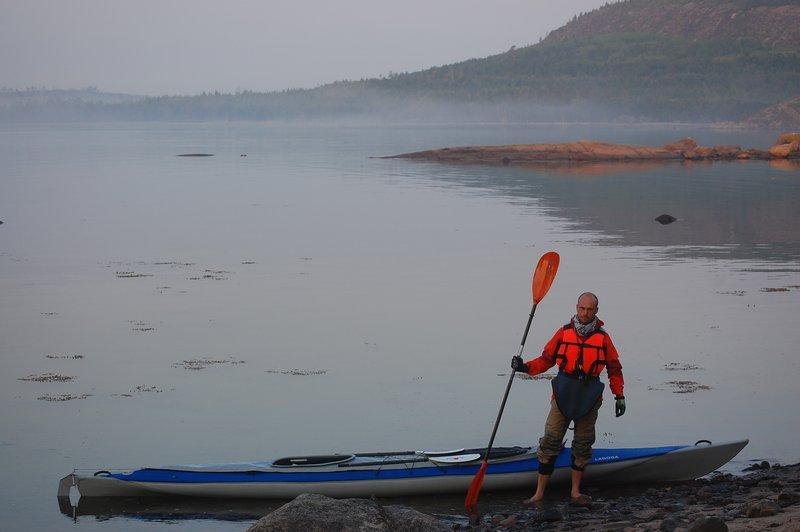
[397,474]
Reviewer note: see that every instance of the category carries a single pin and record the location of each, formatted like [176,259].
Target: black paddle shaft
[510,381]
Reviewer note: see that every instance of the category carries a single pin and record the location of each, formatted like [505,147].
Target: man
[581,349]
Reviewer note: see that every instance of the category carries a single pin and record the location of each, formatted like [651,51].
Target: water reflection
[167,509]
[448,508]
[724,210]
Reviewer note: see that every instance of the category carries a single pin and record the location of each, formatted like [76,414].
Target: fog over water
[294,293]
[180,47]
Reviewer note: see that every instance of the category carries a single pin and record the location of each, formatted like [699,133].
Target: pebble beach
[767,497]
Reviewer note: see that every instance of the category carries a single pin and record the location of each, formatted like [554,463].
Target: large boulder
[727,151]
[681,146]
[708,524]
[788,145]
[318,513]
[785,150]
[788,138]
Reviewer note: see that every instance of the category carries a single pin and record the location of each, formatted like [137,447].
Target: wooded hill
[635,60]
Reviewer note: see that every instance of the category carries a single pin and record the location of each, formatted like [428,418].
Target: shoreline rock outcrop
[765,498]
[318,513]
[787,147]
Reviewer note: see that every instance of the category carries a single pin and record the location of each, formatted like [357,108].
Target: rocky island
[787,147]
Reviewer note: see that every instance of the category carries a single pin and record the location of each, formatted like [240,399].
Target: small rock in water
[755,467]
[665,219]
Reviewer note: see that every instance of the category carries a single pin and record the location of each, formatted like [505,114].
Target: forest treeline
[599,76]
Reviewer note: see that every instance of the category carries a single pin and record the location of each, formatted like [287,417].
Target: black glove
[620,406]
[518,365]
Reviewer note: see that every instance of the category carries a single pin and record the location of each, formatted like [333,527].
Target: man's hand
[620,406]
[518,365]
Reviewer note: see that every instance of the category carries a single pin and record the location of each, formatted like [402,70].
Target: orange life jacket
[581,356]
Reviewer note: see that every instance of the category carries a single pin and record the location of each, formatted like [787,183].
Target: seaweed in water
[687,386]
[63,397]
[299,372]
[675,366]
[47,377]
[202,363]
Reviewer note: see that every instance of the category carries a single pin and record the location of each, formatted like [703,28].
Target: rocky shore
[787,147]
[766,498]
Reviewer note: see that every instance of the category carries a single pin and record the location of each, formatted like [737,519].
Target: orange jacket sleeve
[613,367]
[547,359]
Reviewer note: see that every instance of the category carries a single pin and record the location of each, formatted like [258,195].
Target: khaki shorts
[555,429]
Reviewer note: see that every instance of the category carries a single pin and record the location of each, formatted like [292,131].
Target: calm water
[292,294]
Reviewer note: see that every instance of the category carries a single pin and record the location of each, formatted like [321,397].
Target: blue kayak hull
[397,474]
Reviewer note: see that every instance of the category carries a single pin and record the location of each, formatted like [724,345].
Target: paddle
[542,279]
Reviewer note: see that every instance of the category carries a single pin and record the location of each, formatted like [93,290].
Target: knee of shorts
[583,446]
[579,464]
[551,441]
[546,468]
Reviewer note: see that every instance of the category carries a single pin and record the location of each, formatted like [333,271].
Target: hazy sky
[158,47]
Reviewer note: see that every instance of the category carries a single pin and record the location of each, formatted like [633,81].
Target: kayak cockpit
[310,461]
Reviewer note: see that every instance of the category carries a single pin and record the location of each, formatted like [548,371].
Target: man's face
[586,309]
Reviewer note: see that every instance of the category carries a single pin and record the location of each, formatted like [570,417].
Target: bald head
[586,308]
[589,295]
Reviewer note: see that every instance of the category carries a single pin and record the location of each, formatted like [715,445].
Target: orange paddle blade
[544,274]
[471,503]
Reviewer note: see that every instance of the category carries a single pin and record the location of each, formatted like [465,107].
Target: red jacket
[548,359]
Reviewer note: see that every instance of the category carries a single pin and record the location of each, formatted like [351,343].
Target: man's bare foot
[581,500]
[533,501]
